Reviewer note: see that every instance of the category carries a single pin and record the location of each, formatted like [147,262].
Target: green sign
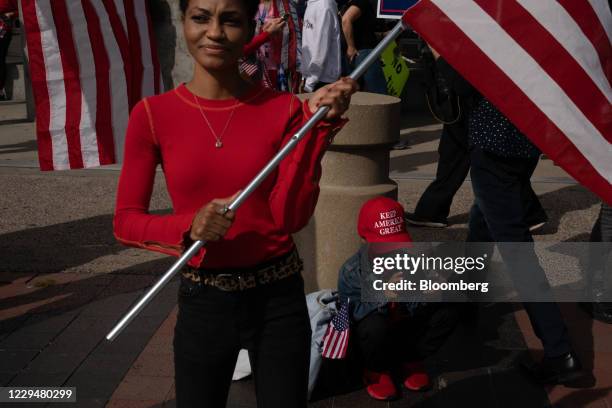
[395,69]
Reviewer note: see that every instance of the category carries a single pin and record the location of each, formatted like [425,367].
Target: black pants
[498,215]
[453,167]
[383,344]
[602,229]
[270,321]
[4,46]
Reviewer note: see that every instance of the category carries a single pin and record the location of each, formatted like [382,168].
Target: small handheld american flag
[335,342]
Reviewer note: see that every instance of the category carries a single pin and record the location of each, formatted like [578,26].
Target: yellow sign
[395,69]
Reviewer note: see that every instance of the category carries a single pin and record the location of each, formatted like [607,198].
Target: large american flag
[335,341]
[546,64]
[90,62]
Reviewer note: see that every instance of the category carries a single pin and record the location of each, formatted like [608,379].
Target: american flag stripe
[116,48]
[83,64]
[142,52]
[119,6]
[333,344]
[602,11]
[249,68]
[327,341]
[87,91]
[478,38]
[338,350]
[103,116]
[564,31]
[39,84]
[578,73]
[57,155]
[72,84]
[596,26]
[115,12]
[587,22]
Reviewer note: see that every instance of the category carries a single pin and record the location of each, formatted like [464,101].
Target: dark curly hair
[251,7]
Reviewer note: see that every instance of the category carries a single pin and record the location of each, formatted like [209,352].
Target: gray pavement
[64,280]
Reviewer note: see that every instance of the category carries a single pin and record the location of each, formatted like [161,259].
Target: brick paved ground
[64,282]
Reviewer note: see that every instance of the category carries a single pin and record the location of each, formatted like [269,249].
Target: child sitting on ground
[391,338]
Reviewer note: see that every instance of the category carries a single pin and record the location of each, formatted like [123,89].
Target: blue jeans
[374,78]
[498,215]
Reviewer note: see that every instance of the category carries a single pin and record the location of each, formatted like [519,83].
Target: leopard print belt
[278,269]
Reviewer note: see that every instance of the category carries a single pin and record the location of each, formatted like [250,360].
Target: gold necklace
[218,138]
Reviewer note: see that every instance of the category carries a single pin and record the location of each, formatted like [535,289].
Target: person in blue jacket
[390,337]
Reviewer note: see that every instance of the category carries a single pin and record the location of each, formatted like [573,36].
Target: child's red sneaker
[380,386]
[415,376]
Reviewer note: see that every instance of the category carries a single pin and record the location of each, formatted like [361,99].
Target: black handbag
[442,100]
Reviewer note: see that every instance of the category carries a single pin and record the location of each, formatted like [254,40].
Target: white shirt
[320,43]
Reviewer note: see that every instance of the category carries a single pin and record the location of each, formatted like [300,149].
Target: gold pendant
[218,144]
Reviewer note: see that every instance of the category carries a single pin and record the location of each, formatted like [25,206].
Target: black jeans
[453,167]
[383,344]
[602,229]
[270,321]
[500,186]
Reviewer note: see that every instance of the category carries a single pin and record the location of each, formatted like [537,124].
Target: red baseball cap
[381,219]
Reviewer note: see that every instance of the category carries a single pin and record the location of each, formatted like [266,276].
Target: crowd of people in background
[302,46]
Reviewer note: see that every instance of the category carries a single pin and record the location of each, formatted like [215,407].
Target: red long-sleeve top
[169,129]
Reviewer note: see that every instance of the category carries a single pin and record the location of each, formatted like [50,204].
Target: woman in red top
[211,136]
[8,14]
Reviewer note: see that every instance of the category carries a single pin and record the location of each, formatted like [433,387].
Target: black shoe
[401,145]
[424,222]
[563,369]
[601,311]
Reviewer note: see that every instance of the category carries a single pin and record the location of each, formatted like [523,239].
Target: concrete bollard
[355,169]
